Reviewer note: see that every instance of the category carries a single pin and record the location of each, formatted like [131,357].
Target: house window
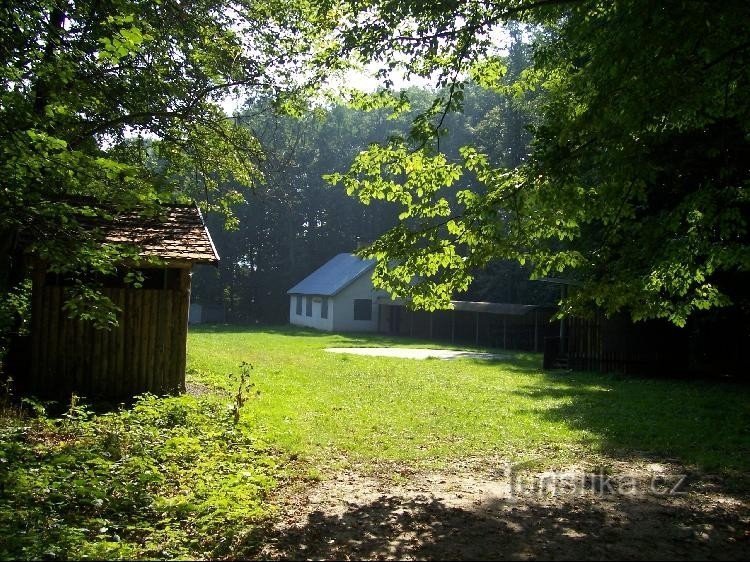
[308,306]
[299,305]
[324,308]
[362,309]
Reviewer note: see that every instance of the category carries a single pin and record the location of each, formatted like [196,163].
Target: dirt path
[481,510]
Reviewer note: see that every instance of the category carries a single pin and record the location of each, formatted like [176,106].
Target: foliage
[294,221]
[107,107]
[243,387]
[169,478]
[637,180]
[15,304]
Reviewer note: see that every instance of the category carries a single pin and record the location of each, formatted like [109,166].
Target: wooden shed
[146,352]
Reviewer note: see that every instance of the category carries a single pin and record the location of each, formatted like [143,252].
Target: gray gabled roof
[333,276]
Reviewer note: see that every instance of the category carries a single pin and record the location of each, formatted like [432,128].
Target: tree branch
[727,54]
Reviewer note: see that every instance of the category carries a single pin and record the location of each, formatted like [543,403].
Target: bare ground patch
[484,510]
[198,389]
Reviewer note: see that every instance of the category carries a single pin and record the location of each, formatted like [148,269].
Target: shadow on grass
[693,422]
[424,528]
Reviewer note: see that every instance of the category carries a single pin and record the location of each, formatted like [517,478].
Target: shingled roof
[177,234]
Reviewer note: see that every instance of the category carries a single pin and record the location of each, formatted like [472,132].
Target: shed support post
[476,328]
[453,326]
[505,332]
[536,330]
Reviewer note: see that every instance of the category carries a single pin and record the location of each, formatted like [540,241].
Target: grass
[180,477]
[323,405]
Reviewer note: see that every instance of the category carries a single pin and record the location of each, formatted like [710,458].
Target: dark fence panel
[709,345]
[551,351]
[524,332]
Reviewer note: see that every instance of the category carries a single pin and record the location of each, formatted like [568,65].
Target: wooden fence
[505,331]
[618,345]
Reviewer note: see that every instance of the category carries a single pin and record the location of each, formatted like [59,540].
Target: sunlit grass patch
[430,411]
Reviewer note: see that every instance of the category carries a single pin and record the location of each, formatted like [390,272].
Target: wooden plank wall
[145,353]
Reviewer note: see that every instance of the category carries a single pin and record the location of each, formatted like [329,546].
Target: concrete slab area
[416,353]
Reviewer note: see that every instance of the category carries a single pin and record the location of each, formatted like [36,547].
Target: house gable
[333,276]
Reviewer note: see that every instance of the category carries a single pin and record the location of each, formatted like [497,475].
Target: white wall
[340,309]
[343,317]
[314,321]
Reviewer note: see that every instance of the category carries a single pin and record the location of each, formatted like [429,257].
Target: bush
[170,477]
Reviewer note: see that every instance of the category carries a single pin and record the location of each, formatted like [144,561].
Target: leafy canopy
[116,105]
[637,180]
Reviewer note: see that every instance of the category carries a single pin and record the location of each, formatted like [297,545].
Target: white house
[338,296]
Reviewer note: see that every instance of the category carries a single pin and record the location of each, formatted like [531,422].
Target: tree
[294,222]
[110,106]
[637,180]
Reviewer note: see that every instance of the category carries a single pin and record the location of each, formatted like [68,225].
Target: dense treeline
[295,221]
[609,143]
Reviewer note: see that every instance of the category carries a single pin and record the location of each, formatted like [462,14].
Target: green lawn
[322,405]
[180,477]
